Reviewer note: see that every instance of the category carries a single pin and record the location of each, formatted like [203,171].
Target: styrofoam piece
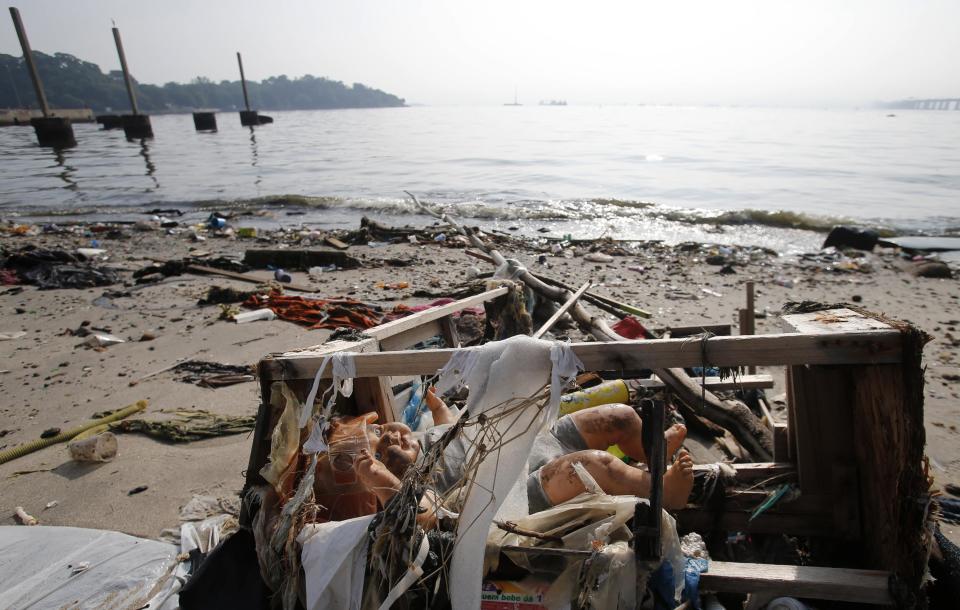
[254,316]
[38,569]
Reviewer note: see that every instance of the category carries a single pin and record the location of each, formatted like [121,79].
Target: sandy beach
[51,379]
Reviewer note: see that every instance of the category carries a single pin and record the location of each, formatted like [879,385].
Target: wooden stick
[561,311]
[202,269]
[605,303]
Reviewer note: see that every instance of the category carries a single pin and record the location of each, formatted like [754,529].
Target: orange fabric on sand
[327,313]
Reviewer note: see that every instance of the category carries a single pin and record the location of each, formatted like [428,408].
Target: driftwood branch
[732,415]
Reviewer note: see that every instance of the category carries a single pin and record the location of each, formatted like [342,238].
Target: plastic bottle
[282,276]
[608,392]
[254,316]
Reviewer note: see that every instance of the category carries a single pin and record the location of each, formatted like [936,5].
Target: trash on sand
[598,257]
[336,243]
[327,313]
[99,448]
[103,340]
[319,270]
[712,293]
[23,518]
[54,268]
[299,259]
[213,374]
[935,269]
[282,276]
[188,426]
[850,237]
[247,232]
[179,267]
[138,489]
[13,453]
[91,252]
[392,285]
[8,336]
[219,295]
[50,433]
[254,316]
[51,504]
[80,568]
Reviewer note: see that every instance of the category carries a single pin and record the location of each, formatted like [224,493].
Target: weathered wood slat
[870,347]
[434,313]
[834,584]
[742,382]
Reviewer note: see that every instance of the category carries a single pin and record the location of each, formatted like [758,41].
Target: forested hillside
[71,82]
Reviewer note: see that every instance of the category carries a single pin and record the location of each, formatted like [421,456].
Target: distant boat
[515,102]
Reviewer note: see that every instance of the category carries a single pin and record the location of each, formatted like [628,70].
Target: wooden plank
[718,330]
[744,382]
[878,346]
[705,521]
[434,313]
[755,471]
[448,328]
[411,336]
[781,443]
[831,321]
[832,584]
[821,399]
[374,394]
[563,309]
[243,277]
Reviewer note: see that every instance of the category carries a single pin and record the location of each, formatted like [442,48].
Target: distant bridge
[943,103]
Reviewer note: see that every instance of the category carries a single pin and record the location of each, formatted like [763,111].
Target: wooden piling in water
[249,118]
[205,121]
[51,130]
[136,125]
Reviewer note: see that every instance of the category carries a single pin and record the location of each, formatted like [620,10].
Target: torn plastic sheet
[497,373]
[37,570]
[343,370]
[285,440]
[334,557]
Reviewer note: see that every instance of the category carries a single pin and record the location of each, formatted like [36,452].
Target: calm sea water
[763,176]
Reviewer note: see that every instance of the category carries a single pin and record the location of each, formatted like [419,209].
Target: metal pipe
[243,82]
[28,56]
[126,72]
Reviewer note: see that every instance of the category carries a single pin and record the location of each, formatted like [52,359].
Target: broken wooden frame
[862,484]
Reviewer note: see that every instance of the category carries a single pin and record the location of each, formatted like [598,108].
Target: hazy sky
[805,52]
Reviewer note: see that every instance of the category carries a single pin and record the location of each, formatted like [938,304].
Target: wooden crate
[854,439]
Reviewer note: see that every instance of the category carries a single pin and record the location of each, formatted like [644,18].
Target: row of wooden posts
[57,131]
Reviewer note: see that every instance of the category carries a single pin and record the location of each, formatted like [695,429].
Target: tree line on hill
[70,82]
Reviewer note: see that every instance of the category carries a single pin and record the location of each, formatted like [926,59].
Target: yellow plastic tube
[15,452]
[606,393]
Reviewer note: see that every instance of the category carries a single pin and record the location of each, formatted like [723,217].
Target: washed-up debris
[598,257]
[13,453]
[934,269]
[212,374]
[55,268]
[188,426]
[155,271]
[300,259]
[8,336]
[253,316]
[50,433]
[99,448]
[23,517]
[103,340]
[51,504]
[138,489]
[327,313]
[218,295]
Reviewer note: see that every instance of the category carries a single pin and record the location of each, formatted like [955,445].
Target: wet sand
[51,379]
